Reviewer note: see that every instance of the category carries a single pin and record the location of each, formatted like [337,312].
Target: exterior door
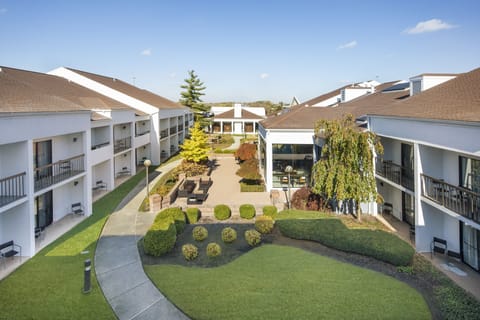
[44,210]
[408,209]
[470,246]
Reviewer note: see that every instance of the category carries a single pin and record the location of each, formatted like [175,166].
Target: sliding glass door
[470,246]
[44,210]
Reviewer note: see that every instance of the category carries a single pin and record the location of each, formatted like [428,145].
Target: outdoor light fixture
[289,170]
[147,163]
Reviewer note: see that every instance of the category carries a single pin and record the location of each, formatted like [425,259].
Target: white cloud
[264,75]
[146,52]
[3,10]
[429,26]
[348,45]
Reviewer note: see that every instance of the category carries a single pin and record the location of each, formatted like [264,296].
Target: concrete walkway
[119,269]
[236,143]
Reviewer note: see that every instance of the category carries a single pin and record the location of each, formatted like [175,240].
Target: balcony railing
[100,145]
[186,123]
[141,133]
[180,127]
[122,144]
[460,200]
[173,130]
[12,188]
[396,173]
[163,133]
[50,174]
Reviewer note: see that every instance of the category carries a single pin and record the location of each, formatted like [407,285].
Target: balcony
[122,144]
[180,127]
[173,130]
[50,174]
[460,200]
[99,145]
[139,133]
[396,173]
[12,188]
[163,133]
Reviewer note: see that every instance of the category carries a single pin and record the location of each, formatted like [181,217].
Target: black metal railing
[396,173]
[173,130]
[186,123]
[163,133]
[12,188]
[122,144]
[99,145]
[53,173]
[463,201]
[180,127]
[139,133]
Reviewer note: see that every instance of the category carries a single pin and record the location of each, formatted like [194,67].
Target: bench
[9,249]
[438,245]
[197,198]
[387,208]
[77,208]
[124,172]
[100,185]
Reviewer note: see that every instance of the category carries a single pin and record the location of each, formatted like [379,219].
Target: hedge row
[333,233]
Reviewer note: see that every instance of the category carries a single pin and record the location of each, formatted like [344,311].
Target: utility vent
[416,87]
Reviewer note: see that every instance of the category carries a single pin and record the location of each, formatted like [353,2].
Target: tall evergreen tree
[345,169]
[191,97]
[196,148]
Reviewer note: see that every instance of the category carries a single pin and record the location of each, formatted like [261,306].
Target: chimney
[237,110]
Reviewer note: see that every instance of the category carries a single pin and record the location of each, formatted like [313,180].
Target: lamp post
[289,170]
[147,164]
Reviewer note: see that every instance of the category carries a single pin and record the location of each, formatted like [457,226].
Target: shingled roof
[247,115]
[27,91]
[132,91]
[304,116]
[456,100]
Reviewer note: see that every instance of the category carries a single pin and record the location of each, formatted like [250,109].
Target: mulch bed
[420,281]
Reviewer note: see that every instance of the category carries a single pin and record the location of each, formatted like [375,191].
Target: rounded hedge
[253,237]
[229,235]
[264,224]
[247,211]
[199,233]
[160,238]
[270,211]
[213,249]
[190,252]
[176,214]
[222,212]
[193,214]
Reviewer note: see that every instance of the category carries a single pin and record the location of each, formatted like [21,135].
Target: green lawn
[277,282]
[49,286]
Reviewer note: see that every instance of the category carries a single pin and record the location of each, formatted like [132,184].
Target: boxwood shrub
[193,214]
[270,211]
[229,235]
[264,224]
[199,233]
[332,232]
[160,238]
[247,211]
[190,252]
[253,237]
[176,214]
[222,212]
[213,249]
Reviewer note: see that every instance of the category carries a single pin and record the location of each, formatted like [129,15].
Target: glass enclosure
[299,156]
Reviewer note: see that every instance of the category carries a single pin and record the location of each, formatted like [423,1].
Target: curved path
[118,268]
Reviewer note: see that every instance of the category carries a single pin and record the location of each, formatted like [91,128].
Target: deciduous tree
[196,148]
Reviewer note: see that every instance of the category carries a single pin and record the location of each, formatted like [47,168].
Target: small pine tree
[196,148]
[192,97]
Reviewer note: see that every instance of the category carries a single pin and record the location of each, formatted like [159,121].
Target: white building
[237,119]
[62,143]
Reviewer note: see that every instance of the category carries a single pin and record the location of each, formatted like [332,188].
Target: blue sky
[243,50]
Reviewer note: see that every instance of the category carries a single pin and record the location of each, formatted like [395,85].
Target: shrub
[176,214]
[193,214]
[247,211]
[246,151]
[190,252]
[253,237]
[222,212]
[270,211]
[190,169]
[160,238]
[264,224]
[229,235]
[257,187]
[332,232]
[213,249]
[199,233]
[305,199]
[249,171]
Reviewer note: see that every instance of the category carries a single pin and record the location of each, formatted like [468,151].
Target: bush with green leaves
[199,233]
[229,235]
[222,212]
[176,214]
[193,214]
[190,252]
[247,211]
[270,211]
[264,224]
[253,237]
[160,238]
[213,249]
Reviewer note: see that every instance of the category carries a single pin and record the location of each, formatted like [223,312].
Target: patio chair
[438,246]
[77,208]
